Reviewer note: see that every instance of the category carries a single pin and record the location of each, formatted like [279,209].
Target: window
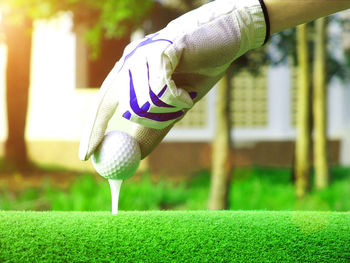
[249,100]
[90,73]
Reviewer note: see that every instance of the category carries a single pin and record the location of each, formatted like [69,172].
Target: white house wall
[345,129]
[52,113]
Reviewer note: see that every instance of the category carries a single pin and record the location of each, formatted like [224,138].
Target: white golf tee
[115,189]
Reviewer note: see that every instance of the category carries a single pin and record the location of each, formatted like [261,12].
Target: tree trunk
[302,150]
[319,106]
[221,167]
[19,39]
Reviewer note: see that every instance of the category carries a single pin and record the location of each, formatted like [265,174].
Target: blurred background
[273,134]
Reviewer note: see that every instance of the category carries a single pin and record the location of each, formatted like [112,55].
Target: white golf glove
[161,76]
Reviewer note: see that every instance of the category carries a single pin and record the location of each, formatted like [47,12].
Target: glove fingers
[104,109]
[151,102]
[178,96]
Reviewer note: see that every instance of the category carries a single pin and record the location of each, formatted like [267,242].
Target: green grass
[253,188]
[175,236]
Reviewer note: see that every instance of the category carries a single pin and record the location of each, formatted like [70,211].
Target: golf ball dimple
[118,156]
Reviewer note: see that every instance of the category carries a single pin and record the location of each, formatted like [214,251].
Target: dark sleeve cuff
[267,20]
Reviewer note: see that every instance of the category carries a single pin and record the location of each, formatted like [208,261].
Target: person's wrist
[253,21]
[267,20]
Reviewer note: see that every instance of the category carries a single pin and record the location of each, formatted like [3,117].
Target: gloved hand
[161,76]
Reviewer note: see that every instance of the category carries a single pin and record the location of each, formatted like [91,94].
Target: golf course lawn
[164,236]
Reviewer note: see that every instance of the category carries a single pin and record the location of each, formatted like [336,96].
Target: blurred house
[64,84]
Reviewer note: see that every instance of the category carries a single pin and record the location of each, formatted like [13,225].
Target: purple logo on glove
[142,112]
[156,99]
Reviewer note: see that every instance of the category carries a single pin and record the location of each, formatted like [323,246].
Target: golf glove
[162,76]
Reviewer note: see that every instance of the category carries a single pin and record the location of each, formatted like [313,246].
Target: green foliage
[252,61]
[115,18]
[283,49]
[181,236]
[251,189]
[107,18]
[258,188]
[88,194]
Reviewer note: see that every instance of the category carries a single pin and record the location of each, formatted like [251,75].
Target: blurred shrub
[252,188]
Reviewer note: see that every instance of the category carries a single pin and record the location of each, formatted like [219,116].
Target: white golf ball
[117,157]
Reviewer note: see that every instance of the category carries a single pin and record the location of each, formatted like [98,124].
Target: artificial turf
[180,236]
